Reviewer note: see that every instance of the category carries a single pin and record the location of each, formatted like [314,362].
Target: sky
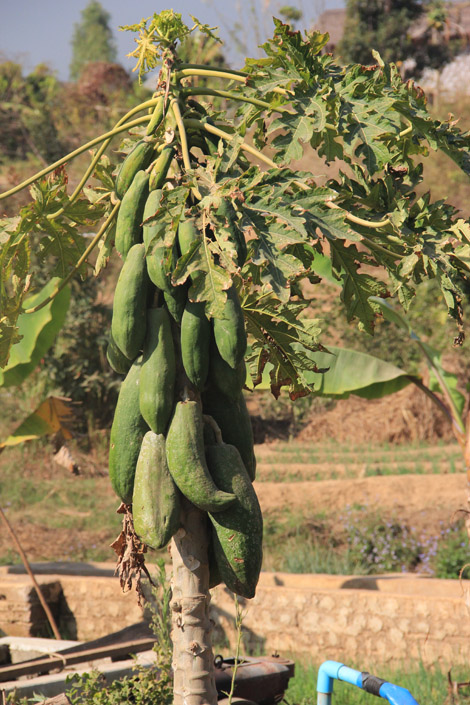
[33,32]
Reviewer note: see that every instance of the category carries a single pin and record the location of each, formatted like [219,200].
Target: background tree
[27,110]
[385,25]
[92,39]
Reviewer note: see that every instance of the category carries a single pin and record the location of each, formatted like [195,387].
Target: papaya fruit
[130,215]
[229,330]
[231,415]
[187,233]
[159,170]
[227,211]
[157,117]
[130,304]
[229,380]
[127,431]
[138,159]
[156,251]
[117,360]
[195,342]
[156,499]
[175,300]
[237,539]
[214,574]
[157,378]
[187,462]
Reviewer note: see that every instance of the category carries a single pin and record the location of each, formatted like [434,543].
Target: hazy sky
[32,32]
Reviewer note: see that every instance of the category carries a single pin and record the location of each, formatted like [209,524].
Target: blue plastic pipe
[331,670]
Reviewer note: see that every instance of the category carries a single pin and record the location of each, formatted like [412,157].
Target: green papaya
[156,499]
[139,158]
[117,360]
[131,213]
[227,211]
[187,233]
[157,379]
[229,380]
[127,432]
[195,342]
[187,462]
[157,117]
[238,530]
[152,204]
[231,415]
[214,574]
[156,251]
[130,304]
[175,300]
[229,330]
[159,170]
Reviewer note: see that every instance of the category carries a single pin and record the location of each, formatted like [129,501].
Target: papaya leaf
[440,379]
[282,338]
[53,415]
[354,372]
[345,372]
[358,288]
[38,331]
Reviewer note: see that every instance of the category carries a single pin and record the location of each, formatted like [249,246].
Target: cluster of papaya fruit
[181,424]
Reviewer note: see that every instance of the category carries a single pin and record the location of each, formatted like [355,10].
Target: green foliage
[367,221]
[92,39]
[385,26]
[27,113]
[158,36]
[452,554]
[76,366]
[38,332]
[381,545]
[149,686]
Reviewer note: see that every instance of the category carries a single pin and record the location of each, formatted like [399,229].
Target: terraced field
[308,493]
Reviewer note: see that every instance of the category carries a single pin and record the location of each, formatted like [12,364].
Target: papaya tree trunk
[193,661]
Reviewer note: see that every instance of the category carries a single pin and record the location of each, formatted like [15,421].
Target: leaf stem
[75,153]
[184,141]
[376,224]
[233,96]
[376,246]
[82,259]
[73,196]
[406,131]
[217,73]
[210,73]
[199,124]
[211,68]
[360,221]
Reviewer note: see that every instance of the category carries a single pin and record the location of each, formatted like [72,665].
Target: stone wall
[370,625]
[362,621]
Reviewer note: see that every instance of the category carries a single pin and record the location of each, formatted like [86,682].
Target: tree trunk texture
[193,661]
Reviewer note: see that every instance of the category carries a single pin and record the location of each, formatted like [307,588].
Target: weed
[381,545]
[452,552]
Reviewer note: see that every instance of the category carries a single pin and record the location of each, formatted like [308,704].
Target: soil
[418,500]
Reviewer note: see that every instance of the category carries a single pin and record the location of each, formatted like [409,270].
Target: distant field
[327,507]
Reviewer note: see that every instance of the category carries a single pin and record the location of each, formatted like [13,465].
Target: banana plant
[219,232]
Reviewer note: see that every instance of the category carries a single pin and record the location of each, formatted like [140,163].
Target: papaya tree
[222,237]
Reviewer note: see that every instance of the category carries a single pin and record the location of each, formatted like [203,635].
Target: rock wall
[362,621]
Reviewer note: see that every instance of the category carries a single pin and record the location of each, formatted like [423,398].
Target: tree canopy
[385,25]
[92,39]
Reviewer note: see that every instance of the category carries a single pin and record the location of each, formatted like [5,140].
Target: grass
[428,686]
[290,462]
